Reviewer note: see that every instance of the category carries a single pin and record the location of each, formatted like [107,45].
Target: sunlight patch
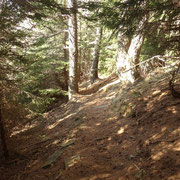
[121,130]
[110,138]
[157,156]
[98,124]
[100,176]
[18,130]
[177,147]
[156,92]
[156,136]
[72,161]
[172,109]
[56,141]
[163,94]
[111,119]
[85,127]
[90,103]
[109,85]
[175,132]
[174,177]
[163,129]
[60,120]
[112,95]
[67,142]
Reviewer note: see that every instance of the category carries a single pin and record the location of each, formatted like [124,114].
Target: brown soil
[87,139]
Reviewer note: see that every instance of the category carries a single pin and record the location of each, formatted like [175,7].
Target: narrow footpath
[86,139]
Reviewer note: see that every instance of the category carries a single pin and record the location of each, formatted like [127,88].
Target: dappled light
[89,138]
[175,132]
[18,130]
[59,121]
[89,90]
[98,124]
[121,131]
[172,110]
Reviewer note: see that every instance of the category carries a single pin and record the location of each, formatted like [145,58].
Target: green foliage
[25,57]
[52,92]
[125,16]
[40,101]
[35,103]
[107,54]
[34,60]
[153,45]
[43,81]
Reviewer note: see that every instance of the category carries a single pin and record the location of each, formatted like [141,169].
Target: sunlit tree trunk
[122,63]
[128,55]
[136,46]
[127,58]
[94,67]
[73,49]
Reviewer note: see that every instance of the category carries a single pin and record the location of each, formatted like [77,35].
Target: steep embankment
[114,133]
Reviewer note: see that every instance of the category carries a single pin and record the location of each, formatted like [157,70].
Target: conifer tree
[73,49]
[94,67]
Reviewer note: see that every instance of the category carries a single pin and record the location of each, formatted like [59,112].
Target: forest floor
[108,132]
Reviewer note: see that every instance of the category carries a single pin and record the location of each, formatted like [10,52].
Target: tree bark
[128,54]
[134,53]
[73,49]
[65,71]
[3,137]
[80,50]
[122,62]
[94,67]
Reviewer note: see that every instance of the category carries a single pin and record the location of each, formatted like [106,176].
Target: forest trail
[88,139]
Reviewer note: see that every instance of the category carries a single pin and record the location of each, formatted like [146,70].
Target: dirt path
[88,140]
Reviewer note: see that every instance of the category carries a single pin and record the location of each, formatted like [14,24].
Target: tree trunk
[73,49]
[128,54]
[65,71]
[134,53]
[3,137]
[122,62]
[94,68]
[80,50]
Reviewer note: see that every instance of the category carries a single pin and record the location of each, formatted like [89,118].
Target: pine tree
[73,49]
[94,67]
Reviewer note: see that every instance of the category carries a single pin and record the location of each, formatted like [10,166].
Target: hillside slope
[113,133]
